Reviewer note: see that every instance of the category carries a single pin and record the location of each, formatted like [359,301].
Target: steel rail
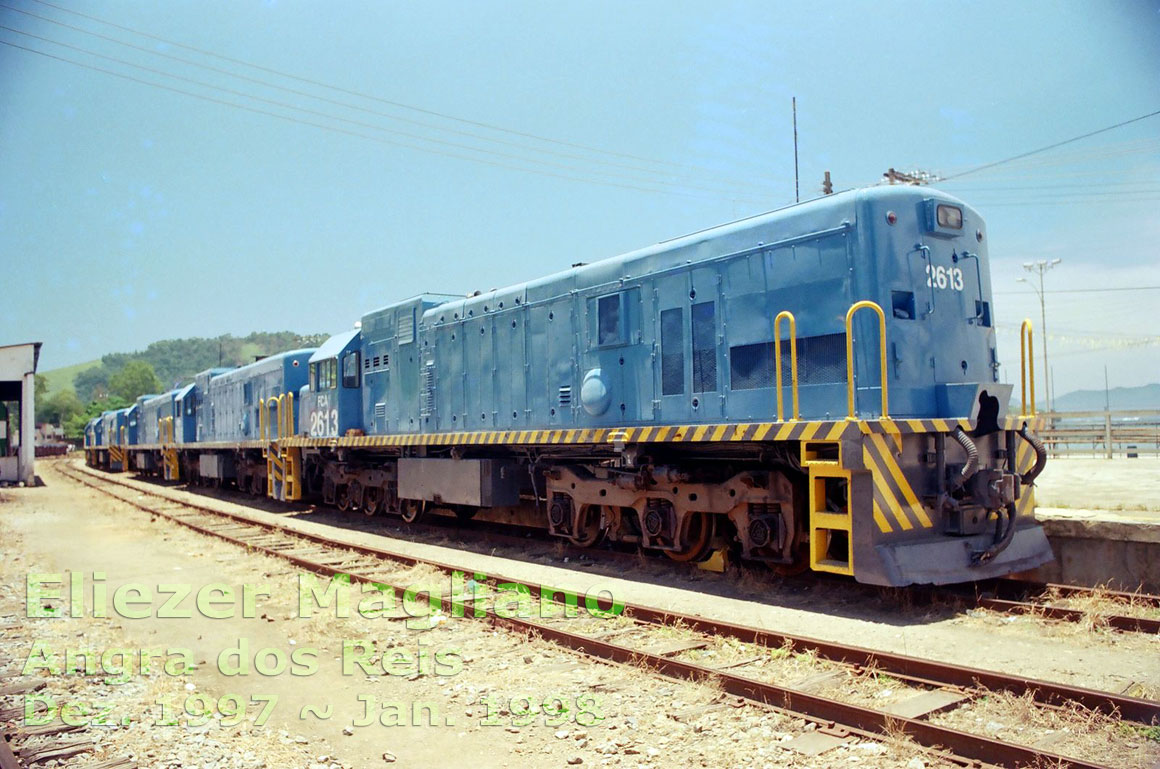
[857,719]
[1012,596]
[919,670]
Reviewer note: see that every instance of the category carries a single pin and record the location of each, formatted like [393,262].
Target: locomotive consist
[815,387]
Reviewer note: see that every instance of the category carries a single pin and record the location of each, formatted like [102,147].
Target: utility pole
[1039,268]
[797,195]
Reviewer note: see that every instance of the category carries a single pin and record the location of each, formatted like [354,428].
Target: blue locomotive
[815,387]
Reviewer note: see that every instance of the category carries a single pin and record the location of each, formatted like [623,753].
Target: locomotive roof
[334,345]
[795,220]
[269,363]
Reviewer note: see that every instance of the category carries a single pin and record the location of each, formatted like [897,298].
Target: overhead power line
[699,180]
[335,129]
[700,170]
[1085,290]
[1044,149]
[362,124]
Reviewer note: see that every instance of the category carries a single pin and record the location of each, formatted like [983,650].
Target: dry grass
[1071,730]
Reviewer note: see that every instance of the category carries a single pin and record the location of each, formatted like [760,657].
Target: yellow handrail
[792,361]
[123,441]
[278,419]
[289,414]
[850,354]
[1026,364]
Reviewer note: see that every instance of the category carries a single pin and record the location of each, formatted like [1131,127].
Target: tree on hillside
[59,407]
[92,383]
[178,360]
[41,386]
[74,426]
[135,379]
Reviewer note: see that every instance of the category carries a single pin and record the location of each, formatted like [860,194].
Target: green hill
[62,378]
[177,360]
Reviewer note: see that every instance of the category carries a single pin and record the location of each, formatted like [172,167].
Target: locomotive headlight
[950,217]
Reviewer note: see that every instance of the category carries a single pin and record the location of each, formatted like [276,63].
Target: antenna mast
[797,196]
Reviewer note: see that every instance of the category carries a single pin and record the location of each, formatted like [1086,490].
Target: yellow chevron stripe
[719,432]
[941,425]
[880,519]
[900,479]
[835,431]
[699,433]
[663,434]
[784,431]
[883,489]
[643,434]
[763,431]
[811,428]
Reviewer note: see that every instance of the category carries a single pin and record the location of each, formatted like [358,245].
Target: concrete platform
[1103,520]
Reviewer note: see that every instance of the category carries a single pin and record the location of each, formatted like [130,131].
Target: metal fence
[1102,433]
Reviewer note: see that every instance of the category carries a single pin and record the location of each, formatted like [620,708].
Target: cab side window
[350,370]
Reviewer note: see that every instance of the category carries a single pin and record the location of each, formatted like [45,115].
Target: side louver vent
[428,402]
[566,396]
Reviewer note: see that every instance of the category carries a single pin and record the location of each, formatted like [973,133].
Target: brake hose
[1040,455]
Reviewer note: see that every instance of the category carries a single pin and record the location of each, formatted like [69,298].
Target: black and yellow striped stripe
[895,503]
[794,430]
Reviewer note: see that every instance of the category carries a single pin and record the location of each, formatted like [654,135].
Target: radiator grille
[821,360]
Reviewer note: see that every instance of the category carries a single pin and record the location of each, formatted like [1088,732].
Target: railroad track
[1012,596]
[663,641]
[23,746]
[1007,596]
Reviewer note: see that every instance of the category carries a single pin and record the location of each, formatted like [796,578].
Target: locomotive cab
[331,401]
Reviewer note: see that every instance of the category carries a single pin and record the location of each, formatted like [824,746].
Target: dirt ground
[473,711]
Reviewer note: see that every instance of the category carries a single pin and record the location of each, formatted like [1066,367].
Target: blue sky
[130,213]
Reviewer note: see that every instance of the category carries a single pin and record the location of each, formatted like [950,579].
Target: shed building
[17,412]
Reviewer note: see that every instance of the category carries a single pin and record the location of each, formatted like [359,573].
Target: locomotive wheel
[700,535]
[412,509]
[801,562]
[342,498]
[590,532]
[372,500]
[354,492]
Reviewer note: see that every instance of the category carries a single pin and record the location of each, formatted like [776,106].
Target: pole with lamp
[1040,267]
